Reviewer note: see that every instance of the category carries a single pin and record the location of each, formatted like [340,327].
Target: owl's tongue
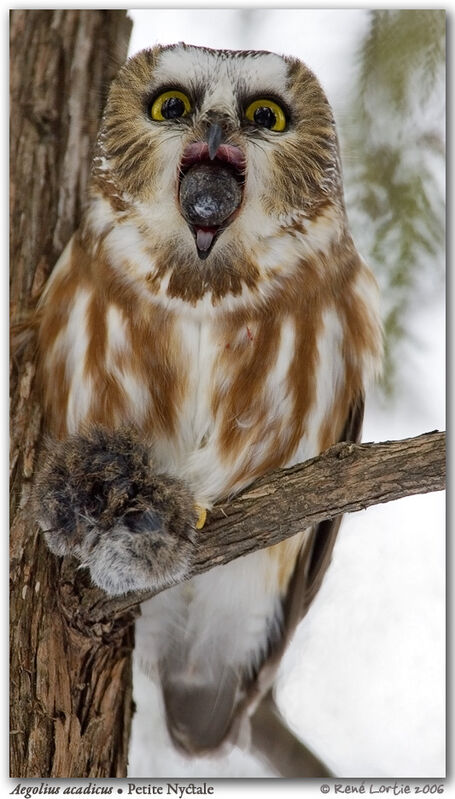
[204,238]
[209,195]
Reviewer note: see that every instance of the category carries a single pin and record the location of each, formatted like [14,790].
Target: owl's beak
[214,138]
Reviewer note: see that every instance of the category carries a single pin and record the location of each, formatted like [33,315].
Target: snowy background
[363,683]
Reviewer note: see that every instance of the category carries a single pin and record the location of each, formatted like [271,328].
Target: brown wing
[311,568]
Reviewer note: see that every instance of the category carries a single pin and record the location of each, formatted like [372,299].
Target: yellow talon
[202,515]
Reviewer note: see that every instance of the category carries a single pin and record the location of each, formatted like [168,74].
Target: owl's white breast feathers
[118,337]
[276,247]
[75,340]
[210,642]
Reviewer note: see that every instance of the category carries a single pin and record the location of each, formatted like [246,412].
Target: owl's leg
[97,498]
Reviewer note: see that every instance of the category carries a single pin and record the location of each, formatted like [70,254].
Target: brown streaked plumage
[222,349]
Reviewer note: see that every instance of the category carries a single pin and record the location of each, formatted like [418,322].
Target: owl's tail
[200,717]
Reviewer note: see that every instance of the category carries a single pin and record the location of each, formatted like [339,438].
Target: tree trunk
[70,684]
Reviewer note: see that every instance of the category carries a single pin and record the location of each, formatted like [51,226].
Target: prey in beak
[211,187]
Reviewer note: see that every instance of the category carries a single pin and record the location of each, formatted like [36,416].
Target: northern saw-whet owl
[209,321]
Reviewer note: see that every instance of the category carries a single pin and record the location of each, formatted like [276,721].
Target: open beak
[212,175]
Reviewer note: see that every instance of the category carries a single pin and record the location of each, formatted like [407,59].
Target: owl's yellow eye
[266,114]
[170,105]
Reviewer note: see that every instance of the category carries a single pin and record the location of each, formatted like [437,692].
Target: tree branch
[344,479]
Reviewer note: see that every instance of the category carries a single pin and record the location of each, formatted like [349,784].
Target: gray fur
[97,498]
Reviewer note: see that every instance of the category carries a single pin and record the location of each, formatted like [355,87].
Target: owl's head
[217,151]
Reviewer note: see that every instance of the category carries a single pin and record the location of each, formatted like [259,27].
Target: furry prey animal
[210,320]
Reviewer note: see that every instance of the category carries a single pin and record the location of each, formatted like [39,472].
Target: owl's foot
[98,499]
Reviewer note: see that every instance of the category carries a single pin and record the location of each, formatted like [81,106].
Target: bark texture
[346,478]
[70,687]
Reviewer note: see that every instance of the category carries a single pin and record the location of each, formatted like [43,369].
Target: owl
[210,320]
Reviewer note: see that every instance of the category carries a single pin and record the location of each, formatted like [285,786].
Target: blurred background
[363,683]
